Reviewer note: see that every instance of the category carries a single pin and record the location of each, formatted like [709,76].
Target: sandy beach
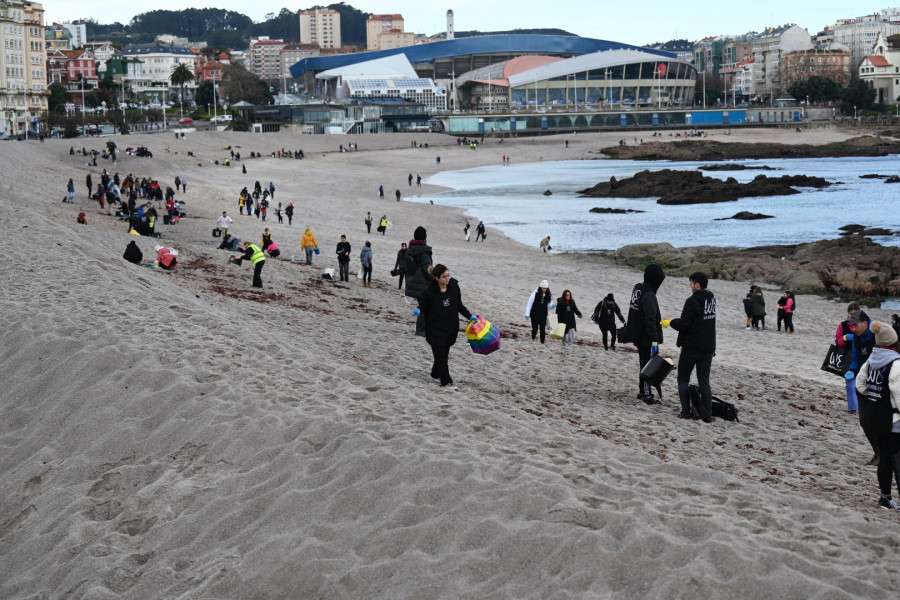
[184,435]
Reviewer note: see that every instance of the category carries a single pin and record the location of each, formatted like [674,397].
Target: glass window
[633,71]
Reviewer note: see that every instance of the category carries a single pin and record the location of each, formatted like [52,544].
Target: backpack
[720,409]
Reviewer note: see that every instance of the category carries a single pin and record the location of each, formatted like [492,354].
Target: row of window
[872,70]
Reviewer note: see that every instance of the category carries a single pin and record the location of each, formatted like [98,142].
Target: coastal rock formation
[746,216]
[736,167]
[614,211]
[852,266]
[548,193]
[692,187]
[857,229]
[697,149]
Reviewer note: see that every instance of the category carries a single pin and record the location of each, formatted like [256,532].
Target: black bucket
[656,370]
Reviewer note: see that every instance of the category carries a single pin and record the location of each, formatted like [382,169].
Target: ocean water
[510,198]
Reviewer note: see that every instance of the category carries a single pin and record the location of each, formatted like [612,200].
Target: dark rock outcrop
[692,187]
[614,211]
[852,266]
[746,216]
[548,193]
[735,167]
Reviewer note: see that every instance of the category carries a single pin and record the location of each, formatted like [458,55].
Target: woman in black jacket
[566,310]
[439,304]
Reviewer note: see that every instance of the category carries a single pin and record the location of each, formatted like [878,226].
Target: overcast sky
[635,23]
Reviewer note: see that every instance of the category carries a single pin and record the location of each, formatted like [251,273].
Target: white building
[14,68]
[79,33]
[158,60]
[321,27]
[36,58]
[768,47]
[265,58]
[388,79]
[859,34]
[881,69]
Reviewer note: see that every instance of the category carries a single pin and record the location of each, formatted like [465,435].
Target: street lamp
[854,113]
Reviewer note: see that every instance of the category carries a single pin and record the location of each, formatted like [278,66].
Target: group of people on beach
[755,310]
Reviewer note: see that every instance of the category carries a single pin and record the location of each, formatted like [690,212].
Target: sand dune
[182,435]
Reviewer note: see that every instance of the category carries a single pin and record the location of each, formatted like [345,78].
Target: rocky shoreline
[851,267]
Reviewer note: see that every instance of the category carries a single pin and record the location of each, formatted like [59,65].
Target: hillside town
[64,79]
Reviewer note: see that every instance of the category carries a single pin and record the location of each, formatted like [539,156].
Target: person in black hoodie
[565,313]
[439,305]
[643,324]
[697,339]
[605,315]
[418,263]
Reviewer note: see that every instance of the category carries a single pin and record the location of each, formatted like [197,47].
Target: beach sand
[183,435]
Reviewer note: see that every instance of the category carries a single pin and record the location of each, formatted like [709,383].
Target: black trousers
[345,270]
[612,333]
[887,448]
[789,321]
[440,369]
[257,272]
[402,274]
[643,359]
[538,324]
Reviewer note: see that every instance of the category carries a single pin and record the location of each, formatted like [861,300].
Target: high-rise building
[79,33]
[860,33]
[321,27]
[768,49]
[378,24]
[265,58]
[36,59]
[14,68]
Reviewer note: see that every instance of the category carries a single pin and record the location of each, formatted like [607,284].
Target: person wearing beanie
[605,314]
[418,264]
[862,340]
[536,309]
[643,324]
[878,382]
[843,337]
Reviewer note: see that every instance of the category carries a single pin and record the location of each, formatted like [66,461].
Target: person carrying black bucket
[643,326]
[697,339]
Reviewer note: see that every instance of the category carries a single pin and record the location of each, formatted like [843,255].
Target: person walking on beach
[381,192]
[759,309]
[879,382]
[224,223]
[70,188]
[748,310]
[605,314]
[566,310]
[536,310]
[418,180]
[343,255]
[309,244]
[90,185]
[479,231]
[368,222]
[365,259]
[697,339]
[439,305]
[410,178]
[545,244]
[843,337]
[400,264]
[466,229]
[397,193]
[383,224]
[863,342]
[418,265]
[289,212]
[643,326]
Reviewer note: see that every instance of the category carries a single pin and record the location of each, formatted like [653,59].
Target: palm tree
[181,75]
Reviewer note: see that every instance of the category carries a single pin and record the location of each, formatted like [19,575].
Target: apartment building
[57,37]
[78,31]
[265,58]
[14,71]
[880,69]
[860,33]
[36,59]
[816,62]
[321,27]
[768,50]
[291,54]
[379,24]
[151,81]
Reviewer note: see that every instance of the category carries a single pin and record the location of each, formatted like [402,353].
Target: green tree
[180,76]
[58,96]
[204,95]
[857,96]
[817,89]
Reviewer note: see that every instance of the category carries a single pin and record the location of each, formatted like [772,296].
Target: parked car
[185,120]
[221,119]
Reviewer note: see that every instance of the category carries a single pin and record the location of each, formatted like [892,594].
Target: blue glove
[849,375]
[473,318]
[527,317]
[624,323]
[553,305]
[417,311]
[848,337]
[654,349]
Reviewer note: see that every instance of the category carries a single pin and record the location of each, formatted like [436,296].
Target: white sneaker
[748,328]
[888,503]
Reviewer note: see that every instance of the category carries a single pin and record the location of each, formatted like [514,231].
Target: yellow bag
[559,332]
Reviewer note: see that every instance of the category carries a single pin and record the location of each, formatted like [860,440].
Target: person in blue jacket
[863,340]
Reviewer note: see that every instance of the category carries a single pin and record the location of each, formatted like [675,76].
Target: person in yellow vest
[383,225]
[254,254]
[309,245]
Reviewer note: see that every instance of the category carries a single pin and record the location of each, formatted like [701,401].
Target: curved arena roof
[489,44]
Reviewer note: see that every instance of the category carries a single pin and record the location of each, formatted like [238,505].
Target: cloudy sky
[628,22]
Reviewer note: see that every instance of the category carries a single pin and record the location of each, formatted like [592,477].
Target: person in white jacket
[536,309]
[878,384]
[224,223]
